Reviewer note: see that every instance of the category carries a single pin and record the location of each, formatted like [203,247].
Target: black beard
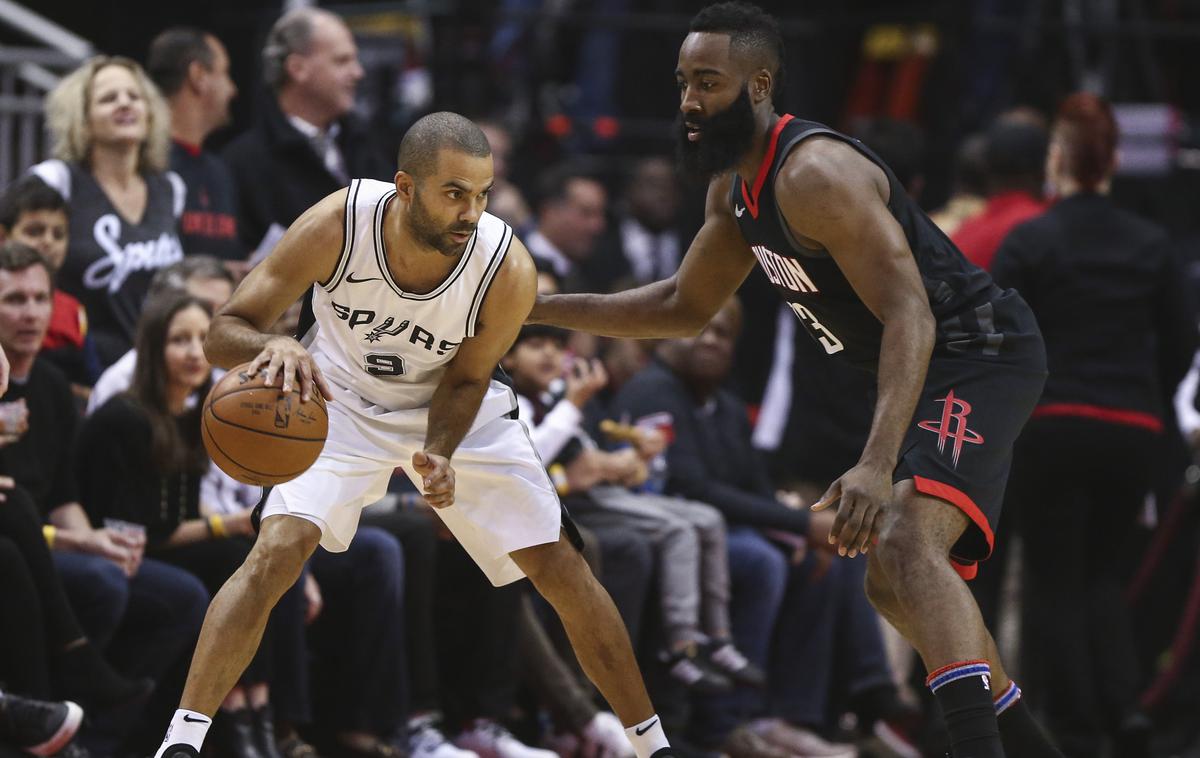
[724,138]
[427,232]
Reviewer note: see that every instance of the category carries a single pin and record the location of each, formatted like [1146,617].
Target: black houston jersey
[973,316]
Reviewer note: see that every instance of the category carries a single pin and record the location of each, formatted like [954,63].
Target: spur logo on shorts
[953,426]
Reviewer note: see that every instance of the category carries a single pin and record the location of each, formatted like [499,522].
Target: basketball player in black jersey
[960,363]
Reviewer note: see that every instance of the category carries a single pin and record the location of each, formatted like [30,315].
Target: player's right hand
[437,478]
[287,358]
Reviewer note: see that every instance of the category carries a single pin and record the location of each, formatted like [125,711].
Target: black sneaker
[264,730]
[36,726]
[83,675]
[728,660]
[181,750]
[233,734]
[696,673]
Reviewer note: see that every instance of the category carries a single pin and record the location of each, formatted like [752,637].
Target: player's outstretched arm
[831,194]
[456,400]
[306,254]
[716,263]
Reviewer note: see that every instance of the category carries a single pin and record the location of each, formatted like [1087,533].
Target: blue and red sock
[1018,730]
[964,691]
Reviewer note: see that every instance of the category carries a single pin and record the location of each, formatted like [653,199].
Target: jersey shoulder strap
[363,197]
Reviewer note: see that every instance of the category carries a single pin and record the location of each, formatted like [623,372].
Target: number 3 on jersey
[384,364]
[827,339]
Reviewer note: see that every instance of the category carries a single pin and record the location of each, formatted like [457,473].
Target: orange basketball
[260,435]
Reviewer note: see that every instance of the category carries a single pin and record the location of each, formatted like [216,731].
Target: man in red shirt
[1016,153]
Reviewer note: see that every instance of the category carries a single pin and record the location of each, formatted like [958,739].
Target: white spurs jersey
[387,346]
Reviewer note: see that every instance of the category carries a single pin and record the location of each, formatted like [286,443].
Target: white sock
[188,728]
[647,737]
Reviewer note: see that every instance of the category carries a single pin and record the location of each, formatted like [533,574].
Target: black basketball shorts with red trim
[960,445]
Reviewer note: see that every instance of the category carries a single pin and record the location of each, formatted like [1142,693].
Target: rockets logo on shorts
[953,426]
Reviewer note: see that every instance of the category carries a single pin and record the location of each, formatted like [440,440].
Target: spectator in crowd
[143,464]
[201,276]
[143,613]
[111,132]
[902,145]
[570,219]
[968,188]
[34,214]
[191,69]
[45,652]
[643,246]
[820,602]
[361,690]
[306,143]
[415,530]
[689,536]
[1120,331]
[625,559]
[476,626]
[1015,157]
[1014,163]
[560,689]
[505,200]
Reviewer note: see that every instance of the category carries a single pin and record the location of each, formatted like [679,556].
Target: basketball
[260,435]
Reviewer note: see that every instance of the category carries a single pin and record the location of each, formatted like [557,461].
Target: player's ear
[760,86]
[405,186]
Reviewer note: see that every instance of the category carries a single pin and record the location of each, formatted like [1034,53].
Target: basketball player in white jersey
[416,295]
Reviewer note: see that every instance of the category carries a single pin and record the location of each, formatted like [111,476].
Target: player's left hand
[437,478]
[865,492]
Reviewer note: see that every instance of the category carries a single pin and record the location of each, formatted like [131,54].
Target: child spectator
[690,536]
[34,214]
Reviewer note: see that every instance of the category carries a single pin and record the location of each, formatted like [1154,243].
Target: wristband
[50,533]
[216,526]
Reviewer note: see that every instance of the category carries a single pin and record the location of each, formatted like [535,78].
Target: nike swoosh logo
[350,278]
[643,729]
[738,210]
[191,720]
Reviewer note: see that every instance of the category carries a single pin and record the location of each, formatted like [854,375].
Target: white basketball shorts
[503,499]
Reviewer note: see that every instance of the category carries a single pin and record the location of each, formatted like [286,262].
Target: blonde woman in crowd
[111,133]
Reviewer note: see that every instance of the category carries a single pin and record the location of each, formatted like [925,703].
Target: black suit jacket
[279,175]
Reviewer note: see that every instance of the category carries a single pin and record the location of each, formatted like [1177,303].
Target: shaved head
[436,132]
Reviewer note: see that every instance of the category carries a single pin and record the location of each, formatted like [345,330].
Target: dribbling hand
[287,358]
[437,478]
[864,492]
